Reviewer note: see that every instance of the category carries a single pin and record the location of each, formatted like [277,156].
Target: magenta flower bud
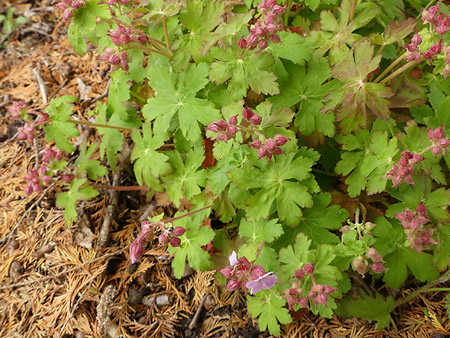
[136,250]
[232,129]
[280,139]
[309,268]
[247,113]
[227,272]
[242,43]
[293,292]
[374,255]
[299,274]
[422,209]
[255,119]
[213,126]
[251,40]
[256,272]
[262,44]
[78,4]
[175,242]
[328,289]
[416,158]
[114,59]
[179,231]
[292,300]
[233,120]
[67,177]
[436,150]
[322,298]
[311,294]
[262,152]
[222,137]
[28,189]
[256,144]
[444,143]
[303,302]
[277,10]
[233,284]
[271,145]
[318,288]
[46,179]
[164,239]
[436,134]
[411,47]
[21,136]
[345,228]
[222,125]
[377,267]
[67,14]
[441,29]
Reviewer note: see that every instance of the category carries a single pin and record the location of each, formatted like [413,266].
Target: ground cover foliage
[304,145]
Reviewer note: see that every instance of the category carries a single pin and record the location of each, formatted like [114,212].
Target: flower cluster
[37,179]
[270,147]
[439,142]
[402,172]
[414,224]
[318,293]
[260,34]
[225,130]
[113,2]
[251,117]
[123,36]
[116,60]
[413,48]
[371,260]
[168,236]
[246,275]
[440,21]
[67,6]
[18,110]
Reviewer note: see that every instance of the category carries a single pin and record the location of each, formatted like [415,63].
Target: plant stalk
[100,125]
[392,65]
[352,10]
[119,187]
[398,71]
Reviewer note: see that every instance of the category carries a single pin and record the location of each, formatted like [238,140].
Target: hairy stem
[166,36]
[444,278]
[352,10]
[95,125]
[152,50]
[398,71]
[392,65]
[187,214]
[286,15]
[118,188]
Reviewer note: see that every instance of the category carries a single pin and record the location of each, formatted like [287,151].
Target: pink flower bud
[67,177]
[280,139]
[374,255]
[444,143]
[311,294]
[309,268]
[277,10]
[303,302]
[292,301]
[262,44]
[114,59]
[67,14]
[251,40]
[422,209]
[227,272]
[179,231]
[247,113]
[232,129]
[293,292]
[436,150]
[377,267]
[322,298]
[271,145]
[164,239]
[136,250]
[262,152]
[233,284]
[47,179]
[360,266]
[242,43]
[328,289]
[255,119]
[256,144]
[175,242]
[318,288]
[411,47]
[222,125]
[299,274]
[416,39]
[256,272]
[233,120]
[213,126]
[28,189]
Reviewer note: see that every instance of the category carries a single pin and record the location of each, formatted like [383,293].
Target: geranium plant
[315,132]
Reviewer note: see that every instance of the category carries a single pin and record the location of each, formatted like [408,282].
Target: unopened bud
[299,274]
[233,120]
[309,268]
[247,113]
[175,242]
[179,231]
[360,266]
[280,139]
[271,145]
[322,298]
[256,272]
[262,44]
[303,302]
[242,43]
[227,272]
[233,284]
[256,144]
[377,267]
[374,255]
[163,239]
[255,119]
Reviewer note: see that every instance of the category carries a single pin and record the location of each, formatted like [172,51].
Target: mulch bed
[54,282]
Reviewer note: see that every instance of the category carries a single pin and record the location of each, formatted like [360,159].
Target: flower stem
[392,65]
[286,15]
[166,36]
[99,125]
[187,214]
[398,71]
[352,10]
[152,50]
[444,278]
[119,188]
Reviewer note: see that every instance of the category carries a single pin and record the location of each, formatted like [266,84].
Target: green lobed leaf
[270,311]
[261,230]
[84,162]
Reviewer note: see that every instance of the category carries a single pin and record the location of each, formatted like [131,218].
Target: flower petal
[233,259]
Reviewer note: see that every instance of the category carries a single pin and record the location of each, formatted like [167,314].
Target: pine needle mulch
[64,286]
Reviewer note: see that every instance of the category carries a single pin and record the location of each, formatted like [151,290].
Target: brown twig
[25,283]
[40,81]
[194,320]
